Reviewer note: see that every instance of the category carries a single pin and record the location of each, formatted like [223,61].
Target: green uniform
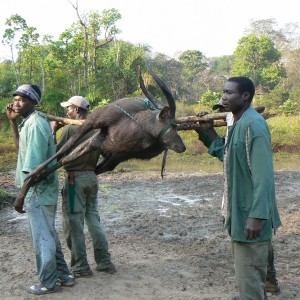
[250,176]
[80,204]
[36,145]
[250,192]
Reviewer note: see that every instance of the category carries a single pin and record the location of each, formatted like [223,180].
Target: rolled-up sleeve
[37,148]
[216,148]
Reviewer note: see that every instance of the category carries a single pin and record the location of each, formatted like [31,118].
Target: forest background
[87,59]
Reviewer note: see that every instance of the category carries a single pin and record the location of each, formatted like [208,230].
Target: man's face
[232,99]
[72,112]
[23,106]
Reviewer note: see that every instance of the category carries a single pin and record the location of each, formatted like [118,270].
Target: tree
[170,70]
[221,66]
[16,26]
[209,98]
[7,79]
[97,31]
[283,38]
[117,69]
[288,107]
[268,27]
[28,53]
[67,60]
[194,64]
[257,57]
[217,72]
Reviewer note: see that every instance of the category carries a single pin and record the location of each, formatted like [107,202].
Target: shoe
[69,281]
[38,289]
[111,269]
[84,274]
[272,287]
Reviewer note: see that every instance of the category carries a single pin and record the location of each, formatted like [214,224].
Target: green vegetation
[6,198]
[285,131]
[201,163]
[87,59]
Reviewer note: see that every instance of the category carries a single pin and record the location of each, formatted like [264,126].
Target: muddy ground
[165,237]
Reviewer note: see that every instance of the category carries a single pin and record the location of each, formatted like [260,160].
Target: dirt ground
[165,238]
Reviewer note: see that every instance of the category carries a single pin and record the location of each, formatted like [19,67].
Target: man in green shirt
[272,285]
[80,199]
[251,212]
[35,145]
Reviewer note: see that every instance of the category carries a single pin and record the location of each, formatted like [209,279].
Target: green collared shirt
[249,172]
[36,145]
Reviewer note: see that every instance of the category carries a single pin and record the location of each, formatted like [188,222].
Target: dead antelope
[128,128]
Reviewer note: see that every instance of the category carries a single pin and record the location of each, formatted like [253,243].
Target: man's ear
[246,96]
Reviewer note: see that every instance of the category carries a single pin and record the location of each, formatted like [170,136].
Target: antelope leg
[92,143]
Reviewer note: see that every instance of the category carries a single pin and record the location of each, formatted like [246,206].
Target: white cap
[78,101]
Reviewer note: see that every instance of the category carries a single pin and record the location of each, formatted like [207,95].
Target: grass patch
[286,161]
[285,132]
[6,198]
[202,163]
[8,160]
[175,163]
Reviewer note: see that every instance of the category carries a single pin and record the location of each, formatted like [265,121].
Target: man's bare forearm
[14,127]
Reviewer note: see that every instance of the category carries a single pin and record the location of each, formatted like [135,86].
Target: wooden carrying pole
[65,121]
[214,116]
[217,123]
[184,123]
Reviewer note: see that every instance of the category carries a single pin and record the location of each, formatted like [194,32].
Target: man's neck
[237,115]
[28,114]
[81,117]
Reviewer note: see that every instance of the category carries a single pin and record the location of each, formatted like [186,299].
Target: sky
[168,26]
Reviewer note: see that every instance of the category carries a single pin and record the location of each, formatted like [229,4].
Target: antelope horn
[166,92]
[155,102]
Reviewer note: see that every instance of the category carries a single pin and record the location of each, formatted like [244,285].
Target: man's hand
[19,202]
[206,130]
[55,125]
[10,112]
[252,228]
[206,125]
[201,113]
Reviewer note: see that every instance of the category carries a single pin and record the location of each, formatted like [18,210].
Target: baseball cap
[78,101]
[218,105]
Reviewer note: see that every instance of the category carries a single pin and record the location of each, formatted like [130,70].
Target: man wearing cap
[35,145]
[80,201]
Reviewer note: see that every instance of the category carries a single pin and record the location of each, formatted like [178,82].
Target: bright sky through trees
[213,27]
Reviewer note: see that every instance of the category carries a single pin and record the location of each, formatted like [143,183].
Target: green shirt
[86,162]
[36,145]
[249,172]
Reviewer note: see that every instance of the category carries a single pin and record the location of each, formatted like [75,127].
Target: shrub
[288,107]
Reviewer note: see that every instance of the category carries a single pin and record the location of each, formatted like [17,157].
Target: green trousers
[271,273]
[250,265]
[85,209]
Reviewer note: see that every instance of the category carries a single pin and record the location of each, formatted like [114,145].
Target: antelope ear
[164,112]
